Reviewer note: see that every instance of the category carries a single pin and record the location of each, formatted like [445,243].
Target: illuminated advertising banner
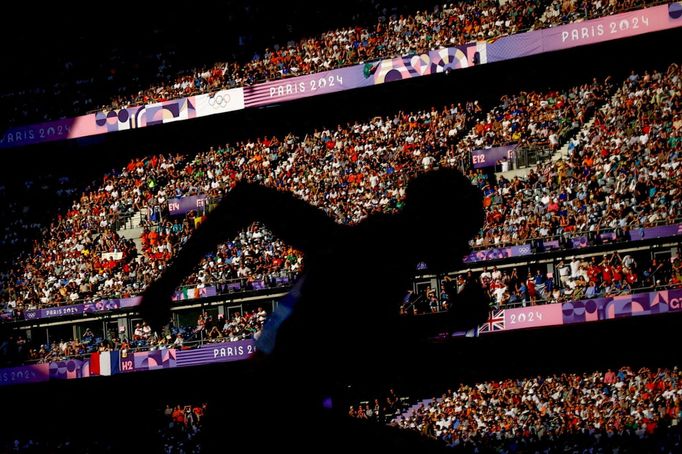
[357,76]
[183,205]
[149,360]
[216,353]
[69,369]
[533,316]
[579,242]
[101,123]
[86,308]
[34,373]
[587,32]
[57,311]
[488,157]
[124,119]
[622,306]
[219,102]
[498,253]
[582,311]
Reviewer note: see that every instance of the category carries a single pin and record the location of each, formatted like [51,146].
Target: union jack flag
[495,322]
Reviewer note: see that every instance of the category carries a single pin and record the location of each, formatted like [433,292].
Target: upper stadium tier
[617,173]
[395,47]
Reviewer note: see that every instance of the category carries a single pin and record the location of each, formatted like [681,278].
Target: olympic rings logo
[219,100]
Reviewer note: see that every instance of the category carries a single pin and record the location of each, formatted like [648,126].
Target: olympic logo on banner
[219,100]
[524,250]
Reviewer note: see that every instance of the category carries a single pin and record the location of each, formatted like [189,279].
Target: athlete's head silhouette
[444,210]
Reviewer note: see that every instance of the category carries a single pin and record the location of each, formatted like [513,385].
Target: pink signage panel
[533,316]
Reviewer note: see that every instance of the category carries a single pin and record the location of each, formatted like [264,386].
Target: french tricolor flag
[104,363]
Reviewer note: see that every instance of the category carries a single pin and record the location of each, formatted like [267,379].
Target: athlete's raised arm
[294,221]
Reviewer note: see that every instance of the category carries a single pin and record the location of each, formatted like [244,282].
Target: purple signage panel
[622,306]
[432,62]
[305,86]
[488,254]
[582,311]
[580,242]
[618,26]
[35,373]
[215,353]
[550,245]
[101,123]
[126,362]
[663,231]
[43,132]
[233,286]
[78,309]
[282,280]
[101,306]
[515,46]
[183,205]
[490,156]
[532,316]
[31,314]
[356,76]
[593,31]
[69,369]
[498,253]
[152,360]
[58,311]
[111,304]
[129,302]
[375,73]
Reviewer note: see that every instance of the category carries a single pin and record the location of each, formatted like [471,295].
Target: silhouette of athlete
[342,317]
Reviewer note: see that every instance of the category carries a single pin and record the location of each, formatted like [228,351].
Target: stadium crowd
[178,431]
[613,409]
[447,25]
[560,12]
[574,279]
[536,118]
[17,349]
[391,35]
[381,410]
[181,428]
[620,173]
[23,204]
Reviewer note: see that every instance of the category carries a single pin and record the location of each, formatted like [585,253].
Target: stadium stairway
[132,230]
[561,153]
[565,150]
